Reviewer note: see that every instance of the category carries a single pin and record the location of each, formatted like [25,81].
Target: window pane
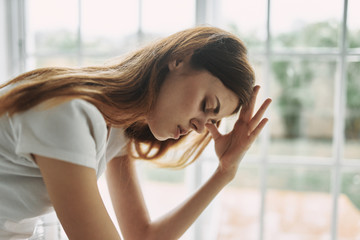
[98,59]
[240,206]
[298,203]
[247,19]
[109,26]
[354,24]
[302,110]
[52,61]
[349,205]
[164,17]
[352,122]
[49,30]
[158,181]
[305,23]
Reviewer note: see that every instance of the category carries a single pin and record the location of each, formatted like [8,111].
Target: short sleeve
[117,144]
[73,131]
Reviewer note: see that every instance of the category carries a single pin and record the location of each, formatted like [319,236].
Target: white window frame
[335,163]
[15,36]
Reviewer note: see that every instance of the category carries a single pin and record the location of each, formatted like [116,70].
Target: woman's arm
[132,213]
[74,193]
[127,199]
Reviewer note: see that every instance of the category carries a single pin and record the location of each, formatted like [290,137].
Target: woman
[61,127]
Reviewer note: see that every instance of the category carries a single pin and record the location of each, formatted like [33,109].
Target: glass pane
[247,19]
[109,26]
[162,17]
[352,122]
[305,23]
[354,24]
[349,206]
[156,182]
[298,203]
[49,29]
[301,117]
[240,206]
[97,59]
[163,189]
[55,61]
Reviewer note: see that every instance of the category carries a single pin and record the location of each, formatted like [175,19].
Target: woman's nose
[198,124]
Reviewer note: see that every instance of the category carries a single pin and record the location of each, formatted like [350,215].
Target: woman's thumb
[213,130]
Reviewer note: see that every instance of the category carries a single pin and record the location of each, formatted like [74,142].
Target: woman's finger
[259,114]
[247,111]
[257,130]
[213,130]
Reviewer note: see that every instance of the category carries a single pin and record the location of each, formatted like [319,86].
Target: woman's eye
[203,105]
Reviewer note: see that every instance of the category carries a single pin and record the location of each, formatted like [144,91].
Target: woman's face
[187,100]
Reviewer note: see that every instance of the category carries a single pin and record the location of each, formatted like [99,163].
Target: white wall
[3,42]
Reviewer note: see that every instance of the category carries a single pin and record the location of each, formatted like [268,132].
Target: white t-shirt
[74,131]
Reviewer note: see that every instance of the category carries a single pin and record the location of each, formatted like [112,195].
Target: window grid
[337,164]
[16,36]
[339,124]
[18,55]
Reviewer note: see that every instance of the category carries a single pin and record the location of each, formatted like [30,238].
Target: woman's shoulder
[74,114]
[58,103]
[72,130]
[72,108]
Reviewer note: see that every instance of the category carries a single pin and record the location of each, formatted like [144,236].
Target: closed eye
[203,105]
[204,108]
[216,111]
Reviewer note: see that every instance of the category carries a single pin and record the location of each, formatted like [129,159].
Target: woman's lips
[178,131]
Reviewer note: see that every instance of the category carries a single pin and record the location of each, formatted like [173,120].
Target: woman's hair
[125,91]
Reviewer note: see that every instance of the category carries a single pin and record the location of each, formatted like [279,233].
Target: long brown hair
[125,91]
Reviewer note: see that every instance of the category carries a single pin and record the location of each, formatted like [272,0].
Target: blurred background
[301,178]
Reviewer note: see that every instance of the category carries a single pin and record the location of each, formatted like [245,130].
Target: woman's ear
[175,64]
[180,64]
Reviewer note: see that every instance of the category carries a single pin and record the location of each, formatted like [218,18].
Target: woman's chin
[160,137]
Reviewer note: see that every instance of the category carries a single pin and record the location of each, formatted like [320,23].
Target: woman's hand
[230,148]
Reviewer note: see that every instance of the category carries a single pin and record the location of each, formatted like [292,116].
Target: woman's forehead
[227,99]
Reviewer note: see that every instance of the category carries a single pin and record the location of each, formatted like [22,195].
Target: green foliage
[354,39]
[251,40]
[352,124]
[350,185]
[322,34]
[294,78]
[299,179]
[294,82]
[313,180]
[353,86]
[63,41]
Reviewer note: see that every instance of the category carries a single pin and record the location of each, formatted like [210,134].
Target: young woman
[62,127]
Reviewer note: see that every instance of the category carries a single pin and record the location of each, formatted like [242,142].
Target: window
[301,178]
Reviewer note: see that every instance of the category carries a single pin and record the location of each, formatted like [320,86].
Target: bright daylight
[299,179]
